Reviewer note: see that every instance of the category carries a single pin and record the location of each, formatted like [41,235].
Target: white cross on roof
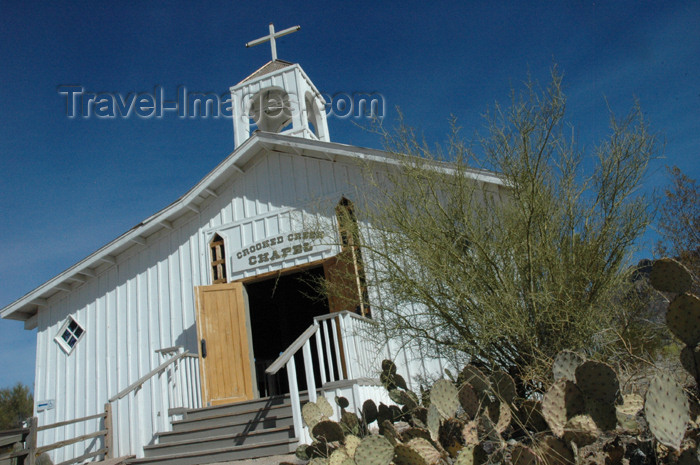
[271,37]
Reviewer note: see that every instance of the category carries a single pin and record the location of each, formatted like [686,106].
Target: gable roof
[26,307]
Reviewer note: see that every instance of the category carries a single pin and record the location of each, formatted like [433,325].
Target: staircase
[256,428]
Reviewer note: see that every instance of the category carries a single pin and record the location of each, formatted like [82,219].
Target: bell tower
[279,98]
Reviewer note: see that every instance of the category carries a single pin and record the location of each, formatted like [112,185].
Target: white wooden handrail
[341,354]
[291,350]
[138,383]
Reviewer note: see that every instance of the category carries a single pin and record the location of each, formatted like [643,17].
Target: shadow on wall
[188,340]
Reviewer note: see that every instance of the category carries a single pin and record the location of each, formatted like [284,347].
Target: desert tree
[504,273]
[16,405]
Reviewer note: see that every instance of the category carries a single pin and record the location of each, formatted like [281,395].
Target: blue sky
[71,185]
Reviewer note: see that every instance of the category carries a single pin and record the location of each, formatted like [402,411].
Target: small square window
[69,335]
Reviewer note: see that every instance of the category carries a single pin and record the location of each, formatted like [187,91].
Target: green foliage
[509,272]
[16,405]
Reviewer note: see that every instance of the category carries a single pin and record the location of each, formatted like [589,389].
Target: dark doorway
[281,308]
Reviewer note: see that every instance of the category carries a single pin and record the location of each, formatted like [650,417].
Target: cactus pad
[668,275]
[388,367]
[374,450]
[318,461]
[469,400]
[504,418]
[479,381]
[562,401]
[581,430]
[351,443]
[598,381]
[410,433]
[666,410]
[425,450]
[369,411]
[565,364]
[522,455]
[690,359]
[328,431]
[555,452]
[504,386]
[325,406]
[683,318]
[626,413]
[603,414]
[530,415]
[338,457]
[433,423]
[471,455]
[443,395]
[311,414]
[405,455]
[470,433]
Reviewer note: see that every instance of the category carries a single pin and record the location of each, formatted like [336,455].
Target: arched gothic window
[218,260]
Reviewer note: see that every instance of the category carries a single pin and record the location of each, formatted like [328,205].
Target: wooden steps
[246,430]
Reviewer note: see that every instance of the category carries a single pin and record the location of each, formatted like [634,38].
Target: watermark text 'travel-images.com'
[80,103]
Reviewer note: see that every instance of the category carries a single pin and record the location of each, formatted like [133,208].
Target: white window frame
[65,345]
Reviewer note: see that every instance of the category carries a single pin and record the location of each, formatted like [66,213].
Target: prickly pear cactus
[581,430]
[668,275]
[338,457]
[405,455]
[351,443]
[667,410]
[311,414]
[471,455]
[325,406]
[318,461]
[468,400]
[626,413]
[433,421]
[425,450]
[565,364]
[556,452]
[374,450]
[328,431]
[443,395]
[683,318]
[369,411]
[450,436]
[503,386]
[479,381]
[690,359]
[562,401]
[598,381]
[530,415]
[523,455]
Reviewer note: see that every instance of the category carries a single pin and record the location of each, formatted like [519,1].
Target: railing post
[344,334]
[294,399]
[327,340]
[109,436]
[321,358]
[32,440]
[309,371]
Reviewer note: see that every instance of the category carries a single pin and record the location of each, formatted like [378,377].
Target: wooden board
[226,371]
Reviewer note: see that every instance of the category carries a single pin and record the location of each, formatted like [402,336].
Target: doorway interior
[281,308]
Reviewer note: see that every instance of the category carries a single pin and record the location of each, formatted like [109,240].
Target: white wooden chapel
[195,281]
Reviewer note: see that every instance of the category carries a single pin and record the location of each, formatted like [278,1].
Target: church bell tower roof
[267,68]
[278,98]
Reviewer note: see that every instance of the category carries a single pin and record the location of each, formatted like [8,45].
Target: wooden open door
[225,349]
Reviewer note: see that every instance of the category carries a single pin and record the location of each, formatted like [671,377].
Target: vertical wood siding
[145,302]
